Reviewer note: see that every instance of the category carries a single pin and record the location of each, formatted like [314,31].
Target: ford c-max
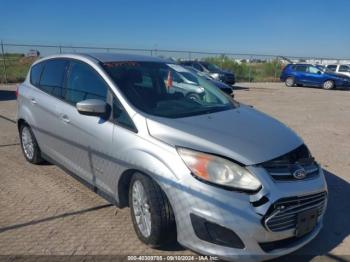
[220,177]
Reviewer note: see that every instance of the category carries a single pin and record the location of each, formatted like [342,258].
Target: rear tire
[151,213]
[29,145]
[290,81]
[329,84]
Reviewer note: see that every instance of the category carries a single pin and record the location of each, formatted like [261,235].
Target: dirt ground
[44,211]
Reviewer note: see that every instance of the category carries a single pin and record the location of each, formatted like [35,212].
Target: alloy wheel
[141,208]
[27,143]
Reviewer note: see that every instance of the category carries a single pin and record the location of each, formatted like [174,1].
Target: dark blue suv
[310,75]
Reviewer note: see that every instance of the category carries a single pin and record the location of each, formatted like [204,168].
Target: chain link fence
[16,59]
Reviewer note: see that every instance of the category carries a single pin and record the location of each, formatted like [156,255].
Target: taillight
[17,91]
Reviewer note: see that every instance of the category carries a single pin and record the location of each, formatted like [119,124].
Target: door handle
[33,101]
[65,118]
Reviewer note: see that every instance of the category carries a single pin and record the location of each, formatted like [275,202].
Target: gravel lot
[44,211]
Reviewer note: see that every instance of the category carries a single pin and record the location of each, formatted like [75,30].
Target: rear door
[46,102]
[301,74]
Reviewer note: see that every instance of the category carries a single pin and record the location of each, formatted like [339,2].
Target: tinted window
[35,74]
[344,68]
[84,82]
[301,68]
[53,77]
[121,116]
[332,67]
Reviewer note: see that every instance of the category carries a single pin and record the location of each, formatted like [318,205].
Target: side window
[35,73]
[332,67]
[313,70]
[84,82]
[121,116]
[344,68]
[53,77]
[301,68]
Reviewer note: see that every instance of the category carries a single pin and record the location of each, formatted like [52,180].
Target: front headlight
[218,170]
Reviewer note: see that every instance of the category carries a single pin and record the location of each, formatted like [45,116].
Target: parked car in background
[221,85]
[214,71]
[311,75]
[340,69]
[220,177]
[180,80]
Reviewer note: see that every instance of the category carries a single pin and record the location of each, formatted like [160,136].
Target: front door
[90,137]
[314,76]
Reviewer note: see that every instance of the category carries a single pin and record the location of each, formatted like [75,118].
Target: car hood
[243,134]
[219,84]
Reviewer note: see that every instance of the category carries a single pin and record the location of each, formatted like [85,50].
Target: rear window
[301,68]
[53,76]
[35,74]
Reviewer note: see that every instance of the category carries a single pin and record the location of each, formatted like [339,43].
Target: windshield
[196,72]
[211,67]
[157,89]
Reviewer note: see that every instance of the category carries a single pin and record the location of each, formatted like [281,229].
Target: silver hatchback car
[220,177]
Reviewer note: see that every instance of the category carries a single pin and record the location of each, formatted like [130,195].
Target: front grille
[282,215]
[283,167]
[285,173]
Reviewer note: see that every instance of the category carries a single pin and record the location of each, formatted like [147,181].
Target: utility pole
[3,61]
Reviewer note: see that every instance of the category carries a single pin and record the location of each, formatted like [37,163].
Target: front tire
[29,145]
[329,84]
[151,213]
[290,81]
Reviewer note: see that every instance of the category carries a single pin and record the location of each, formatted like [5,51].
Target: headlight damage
[218,170]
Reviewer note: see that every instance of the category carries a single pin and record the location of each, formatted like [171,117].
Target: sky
[294,27]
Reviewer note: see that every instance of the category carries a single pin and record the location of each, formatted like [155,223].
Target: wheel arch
[123,186]
[20,122]
[330,79]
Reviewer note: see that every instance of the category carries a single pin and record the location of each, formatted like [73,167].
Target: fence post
[60,49]
[275,67]
[250,70]
[189,56]
[3,62]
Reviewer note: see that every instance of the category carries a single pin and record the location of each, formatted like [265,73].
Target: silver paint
[102,152]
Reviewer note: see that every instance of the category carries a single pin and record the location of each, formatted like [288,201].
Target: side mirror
[319,72]
[92,107]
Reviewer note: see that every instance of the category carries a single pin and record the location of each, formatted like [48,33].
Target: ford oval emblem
[299,173]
